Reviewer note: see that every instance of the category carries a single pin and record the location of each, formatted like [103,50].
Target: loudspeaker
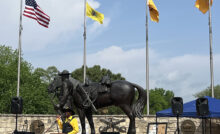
[16,105]
[177,105]
[202,107]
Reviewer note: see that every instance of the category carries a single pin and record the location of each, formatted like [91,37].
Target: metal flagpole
[211,57]
[19,50]
[147,60]
[84,35]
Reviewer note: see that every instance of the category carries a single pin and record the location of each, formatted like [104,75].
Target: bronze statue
[120,93]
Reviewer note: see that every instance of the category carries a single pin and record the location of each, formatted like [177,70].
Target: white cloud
[94,4]
[185,75]
[96,29]
[121,61]
[66,22]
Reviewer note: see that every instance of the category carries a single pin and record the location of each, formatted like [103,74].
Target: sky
[178,44]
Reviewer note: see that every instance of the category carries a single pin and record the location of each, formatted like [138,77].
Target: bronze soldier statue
[65,97]
[121,93]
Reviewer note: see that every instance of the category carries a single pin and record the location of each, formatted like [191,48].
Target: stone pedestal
[7,122]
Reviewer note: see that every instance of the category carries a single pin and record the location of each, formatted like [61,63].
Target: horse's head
[55,84]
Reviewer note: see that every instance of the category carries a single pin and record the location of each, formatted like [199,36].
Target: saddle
[95,88]
[102,87]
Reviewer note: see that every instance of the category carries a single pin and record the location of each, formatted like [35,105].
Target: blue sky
[179,43]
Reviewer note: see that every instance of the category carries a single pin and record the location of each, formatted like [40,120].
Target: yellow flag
[93,14]
[154,14]
[203,5]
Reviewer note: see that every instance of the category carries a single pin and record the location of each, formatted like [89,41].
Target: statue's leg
[82,120]
[90,120]
[128,111]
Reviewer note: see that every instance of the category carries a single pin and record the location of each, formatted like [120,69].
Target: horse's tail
[138,106]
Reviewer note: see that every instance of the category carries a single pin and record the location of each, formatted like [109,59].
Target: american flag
[33,11]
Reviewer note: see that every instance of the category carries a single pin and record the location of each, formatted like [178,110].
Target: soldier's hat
[67,109]
[64,72]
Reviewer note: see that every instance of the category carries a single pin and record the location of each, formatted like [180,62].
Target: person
[70,124]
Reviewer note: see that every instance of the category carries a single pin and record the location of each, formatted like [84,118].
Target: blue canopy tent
[189,109]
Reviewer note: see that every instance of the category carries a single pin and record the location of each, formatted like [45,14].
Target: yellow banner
[93,14]
[203,5]
[154,14]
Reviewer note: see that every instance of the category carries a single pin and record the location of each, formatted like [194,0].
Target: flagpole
[211,57]
[147,60]
[84,35]
[19,50]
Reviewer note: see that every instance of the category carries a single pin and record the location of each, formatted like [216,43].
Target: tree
[95,74]
[160,99]
[32,89]
[8,62]
[46,75]
[207,92]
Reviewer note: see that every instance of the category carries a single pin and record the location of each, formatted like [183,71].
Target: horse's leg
[82,120]
[128,111]
[90,120]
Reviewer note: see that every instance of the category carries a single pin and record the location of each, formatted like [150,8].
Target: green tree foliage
[95,74]
[32,89]
[46,75]
[207,92]
[8,79]
[160,99]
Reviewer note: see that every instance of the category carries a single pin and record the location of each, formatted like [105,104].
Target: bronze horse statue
[121,94]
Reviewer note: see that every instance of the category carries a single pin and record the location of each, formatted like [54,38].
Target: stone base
[7,122]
